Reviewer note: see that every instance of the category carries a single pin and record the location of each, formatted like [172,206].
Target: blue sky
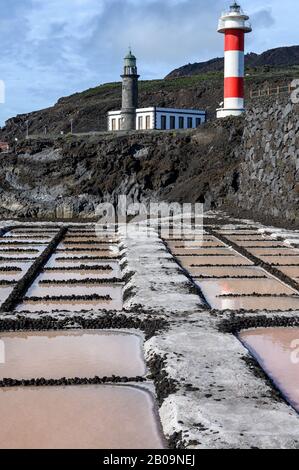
[53,48]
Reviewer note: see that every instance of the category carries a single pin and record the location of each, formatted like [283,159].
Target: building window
[119,124]
[140,123]
[114,124]
[163,122]
[181,122]
[198,122]
[148,122]
[189,122]
[172,122]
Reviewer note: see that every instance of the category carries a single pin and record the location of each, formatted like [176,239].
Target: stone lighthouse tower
[129,93]
[233,24]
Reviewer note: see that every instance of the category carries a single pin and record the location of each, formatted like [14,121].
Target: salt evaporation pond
[277,351]
[57,354]
[78,417]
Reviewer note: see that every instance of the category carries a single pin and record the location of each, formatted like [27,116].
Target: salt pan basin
[71,305]
[273,251]
[261,244]
[227,271]
[202,251]
[254,237]
[195,244]
[277,351]
[77,273]
[292,271]
[255,303]
[43,290]
[57,354]
[65,261]
[213,289]
[78,417]
[281,260]
[194,261]
[5,291]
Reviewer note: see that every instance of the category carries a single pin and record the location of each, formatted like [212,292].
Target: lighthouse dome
[130,59]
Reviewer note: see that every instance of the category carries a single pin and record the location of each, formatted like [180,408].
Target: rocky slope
[275,58]
[70,177]
[89,108]
[268,175]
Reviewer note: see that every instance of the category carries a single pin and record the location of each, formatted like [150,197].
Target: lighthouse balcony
[234,22]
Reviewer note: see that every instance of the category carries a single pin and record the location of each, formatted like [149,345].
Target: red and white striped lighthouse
[233,24]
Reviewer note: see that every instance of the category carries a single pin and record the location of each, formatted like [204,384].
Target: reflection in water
[87,353]
[89,417]
[218,287]
[277,350]
[213,288]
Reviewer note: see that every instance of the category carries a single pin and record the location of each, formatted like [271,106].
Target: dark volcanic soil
[69,177]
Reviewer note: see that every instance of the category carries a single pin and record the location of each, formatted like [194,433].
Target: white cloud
[63,18]
[51,48]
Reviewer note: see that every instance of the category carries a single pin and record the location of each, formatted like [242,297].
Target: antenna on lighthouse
[235,7]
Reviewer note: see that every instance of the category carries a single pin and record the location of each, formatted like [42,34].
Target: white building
[160,118]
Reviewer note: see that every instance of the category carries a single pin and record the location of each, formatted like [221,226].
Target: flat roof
[181,110]
[165,110]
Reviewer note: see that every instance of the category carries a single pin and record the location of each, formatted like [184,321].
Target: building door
[172,122]
[140,122]
[181,122]
[114,124]
[198,122]
[148,122]
[119,124]
[190,122]
[163,122]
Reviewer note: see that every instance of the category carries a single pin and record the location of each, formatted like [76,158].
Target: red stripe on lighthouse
[234,40]
[234,87]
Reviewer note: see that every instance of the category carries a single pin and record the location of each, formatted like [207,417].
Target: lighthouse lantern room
[233,24]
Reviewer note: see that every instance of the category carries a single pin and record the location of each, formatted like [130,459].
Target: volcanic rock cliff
[247,166]
[69,177]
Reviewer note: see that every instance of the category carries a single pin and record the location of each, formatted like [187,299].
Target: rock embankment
[268,176]
[69,177]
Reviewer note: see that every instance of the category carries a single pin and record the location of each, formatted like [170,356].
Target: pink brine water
[277,350]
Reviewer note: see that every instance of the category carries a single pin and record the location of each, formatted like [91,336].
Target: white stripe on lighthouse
[233,64]
[234,103]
